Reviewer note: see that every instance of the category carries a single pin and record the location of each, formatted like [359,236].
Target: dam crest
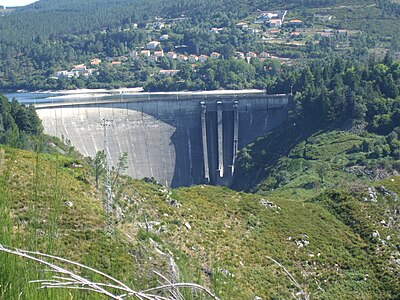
[179,139]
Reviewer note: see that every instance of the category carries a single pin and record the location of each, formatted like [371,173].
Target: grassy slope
[217,237]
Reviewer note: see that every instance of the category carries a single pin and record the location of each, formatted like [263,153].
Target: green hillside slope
[214,236]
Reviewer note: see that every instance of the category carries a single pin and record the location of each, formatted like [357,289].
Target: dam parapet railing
[223,95]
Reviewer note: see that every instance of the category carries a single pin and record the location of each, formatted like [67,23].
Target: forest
[19,124]
[49,35]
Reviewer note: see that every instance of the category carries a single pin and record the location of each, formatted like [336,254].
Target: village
[269,27]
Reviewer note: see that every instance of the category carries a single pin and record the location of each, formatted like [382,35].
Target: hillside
[215,236]
[42,42]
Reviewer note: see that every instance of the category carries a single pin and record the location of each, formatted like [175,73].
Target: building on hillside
[215,55]
[159,53]
[168,72]
[79,68]
[193,58]
[275,23]
[164,37]
[146,53]
[265,55]
[182,57]
[134,54]
[242,25]
[152,45]
[240,55]
[251,54]
[203,58]
[216,30]
[156,25]
[253,30]
[95,61]
[323,18]
[342,31]
[171,55]
[295,34]
[296,23]
[267,16]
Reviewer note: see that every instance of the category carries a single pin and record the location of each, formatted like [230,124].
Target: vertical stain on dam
[179,139]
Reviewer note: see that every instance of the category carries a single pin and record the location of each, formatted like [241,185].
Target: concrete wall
[163,135]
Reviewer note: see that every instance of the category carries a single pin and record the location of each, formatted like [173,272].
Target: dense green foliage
[49,36]
[18,124]
[330,95]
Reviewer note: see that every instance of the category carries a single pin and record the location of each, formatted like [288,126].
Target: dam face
[180,140]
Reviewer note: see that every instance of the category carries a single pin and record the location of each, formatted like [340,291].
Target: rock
[268,204]
[187,225]
[69,203]
[375,234]
[381,189]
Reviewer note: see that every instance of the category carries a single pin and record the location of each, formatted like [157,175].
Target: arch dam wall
[180,140]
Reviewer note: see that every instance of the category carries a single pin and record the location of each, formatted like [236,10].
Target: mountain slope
[214,236]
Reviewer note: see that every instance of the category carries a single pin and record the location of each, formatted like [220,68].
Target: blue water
[31,98]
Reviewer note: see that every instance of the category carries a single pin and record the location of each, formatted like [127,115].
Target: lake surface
[31,98]
[54,97]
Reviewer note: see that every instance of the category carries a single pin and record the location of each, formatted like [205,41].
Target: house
[265,55]
[295,34]
[241,24]
[152,45]
[182,57]
[266,17]
[296,23]
[152,58]
[79,68]
[275,23]
[326,34]
[171,55]
[342,31]
[215,55]
[95,61]
[216,30]
[193,58]
[157,25]
[145,53]
[116,63]
[87,72]
[64,73]
[159,54]
[251,54]
[168,72]
[203,58]
[164,37]
[253,30]
[240,55]
[275,31]
[323,18]
[134,54]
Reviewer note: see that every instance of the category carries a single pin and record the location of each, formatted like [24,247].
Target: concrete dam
[179,139]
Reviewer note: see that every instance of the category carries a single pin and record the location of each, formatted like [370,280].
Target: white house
[171,55]
[152,45]
[168,72]
[164,37]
